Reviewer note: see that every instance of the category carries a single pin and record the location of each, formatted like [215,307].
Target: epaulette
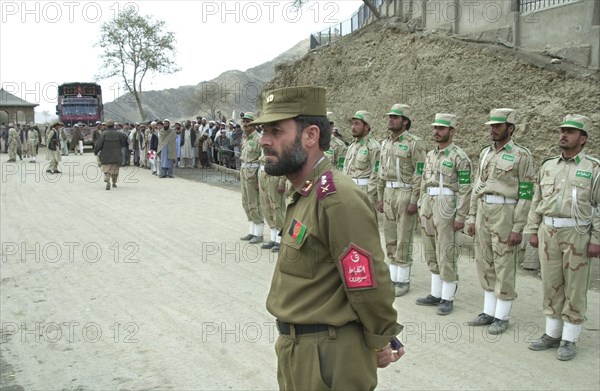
[374,143]
[550,158]
[522,147]
[326,185]
[593,159]
[460,152]
[413,136]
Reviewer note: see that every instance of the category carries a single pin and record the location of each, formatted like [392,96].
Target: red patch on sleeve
[356,268]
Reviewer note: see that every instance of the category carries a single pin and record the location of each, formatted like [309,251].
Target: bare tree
[134,46]
[369,3]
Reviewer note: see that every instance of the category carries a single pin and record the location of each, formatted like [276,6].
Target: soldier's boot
[428,300]
[275,248]
[551,338]
[566,350]
[435,297]
[502,315]
[401,288]
[447,304]
[570,334]
[268,246]
[250,235]
[271,244]
[545,342]
[258,234]
[489,307]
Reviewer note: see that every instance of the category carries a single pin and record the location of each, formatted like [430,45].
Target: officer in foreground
[331,290]
[566,230]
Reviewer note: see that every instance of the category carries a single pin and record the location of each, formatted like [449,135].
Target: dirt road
[147,286]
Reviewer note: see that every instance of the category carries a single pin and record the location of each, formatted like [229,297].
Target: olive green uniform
[398,185]
[562,215]
[362,163]
[308,291]
[499,205]
[249,177]
[336,152]
[445,198]
[272,202]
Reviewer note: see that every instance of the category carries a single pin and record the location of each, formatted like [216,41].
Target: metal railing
[536,5]
[332,33]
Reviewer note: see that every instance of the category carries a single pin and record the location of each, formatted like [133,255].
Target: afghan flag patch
[297,231]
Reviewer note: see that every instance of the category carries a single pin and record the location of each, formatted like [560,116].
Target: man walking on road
[331,292]
[565,228]
[109,146]
[499,205]
[398,189]
[54,147]
[445,198]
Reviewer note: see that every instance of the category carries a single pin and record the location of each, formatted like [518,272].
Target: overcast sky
[47,43]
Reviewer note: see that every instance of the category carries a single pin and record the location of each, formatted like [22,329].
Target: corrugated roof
[8,99]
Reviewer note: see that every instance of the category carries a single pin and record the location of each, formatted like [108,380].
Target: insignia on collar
[307,187]
[326,185]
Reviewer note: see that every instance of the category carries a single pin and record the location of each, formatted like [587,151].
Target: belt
[435,191]
[496,199]
[250,165]
[361,181]
[285,328]
[561,222]
[398,185]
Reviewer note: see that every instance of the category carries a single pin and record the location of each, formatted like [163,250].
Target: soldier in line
[249,180]
[565,228]
[337,148]
[272,204]
[398,189]
[54,147]
[109,146]
[362,158]
[32,141]
[344,317]
[444,205]
[499,205]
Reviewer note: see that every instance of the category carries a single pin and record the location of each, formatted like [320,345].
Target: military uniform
[336,153]
[562,215]
[499,205]
[362,160]
[249,183]
[398,185]
[272,204]
[306,288]
[331,292]
[445,199]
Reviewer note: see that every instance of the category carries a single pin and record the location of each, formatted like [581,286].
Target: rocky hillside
[232,90]
[387,63]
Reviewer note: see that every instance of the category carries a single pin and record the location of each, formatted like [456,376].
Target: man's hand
[593,250]
[471,230]
[533,240]
[456,226]
[515,239]
[387,356]
[411,209]
[379,206]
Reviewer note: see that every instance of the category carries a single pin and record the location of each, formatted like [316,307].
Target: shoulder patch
[356,267]
[326,185]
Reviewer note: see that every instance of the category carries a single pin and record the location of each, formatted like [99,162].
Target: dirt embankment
[385,63]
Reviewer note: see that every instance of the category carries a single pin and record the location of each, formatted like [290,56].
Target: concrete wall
[570,31]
